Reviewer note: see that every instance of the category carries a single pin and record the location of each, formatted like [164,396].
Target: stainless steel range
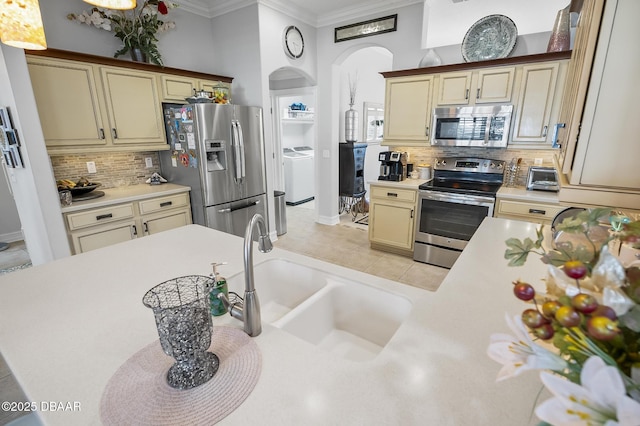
[452,206]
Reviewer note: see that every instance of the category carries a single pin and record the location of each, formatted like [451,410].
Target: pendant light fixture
[113,4]
[21,24]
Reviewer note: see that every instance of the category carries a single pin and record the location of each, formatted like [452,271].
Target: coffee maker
[393,165]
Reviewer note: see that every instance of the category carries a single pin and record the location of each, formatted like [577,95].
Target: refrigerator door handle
[229,210]
[243,163]
[238,150]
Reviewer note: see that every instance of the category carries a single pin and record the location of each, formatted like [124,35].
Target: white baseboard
[11,237]
[329,220]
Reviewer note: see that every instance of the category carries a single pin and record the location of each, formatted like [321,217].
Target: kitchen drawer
[100,216]
[538,211]
[164,203]
[390,193]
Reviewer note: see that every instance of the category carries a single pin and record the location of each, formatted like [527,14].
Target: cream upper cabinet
[600,165]
[133,106]
[68,105]
[85,107]
[454,88]
[175,88]
[490,85]
[538,102]
[607,150]
[407,112]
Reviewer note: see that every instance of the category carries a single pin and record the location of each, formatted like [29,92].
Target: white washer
[298,177]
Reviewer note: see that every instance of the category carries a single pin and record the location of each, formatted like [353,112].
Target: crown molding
[213,8]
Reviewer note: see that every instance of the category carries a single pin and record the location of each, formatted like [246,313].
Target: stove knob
[500,165]
[492,166]
[443,163]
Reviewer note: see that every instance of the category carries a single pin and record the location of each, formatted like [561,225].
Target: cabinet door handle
[166,203]
[114,133]
[537,211]
[466,94]
[392,194]
[104,216]
[478,93]
[544,131]
[426,131]
[145,228]
[101,133]
[135,230]
[555,143]
[411,214]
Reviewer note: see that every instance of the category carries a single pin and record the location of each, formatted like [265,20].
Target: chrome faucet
[248,311]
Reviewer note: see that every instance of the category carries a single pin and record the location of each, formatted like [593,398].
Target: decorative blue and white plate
[492,37]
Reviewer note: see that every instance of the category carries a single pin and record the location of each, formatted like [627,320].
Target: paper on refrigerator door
[191,141]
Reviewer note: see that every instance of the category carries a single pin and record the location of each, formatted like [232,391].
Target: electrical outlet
[537,161]
[148,162]
[91,166]
[326,153]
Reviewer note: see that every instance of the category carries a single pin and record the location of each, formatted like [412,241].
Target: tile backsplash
[113,169]
[428,155]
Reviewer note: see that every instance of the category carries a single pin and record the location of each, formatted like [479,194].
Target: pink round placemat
[138,392]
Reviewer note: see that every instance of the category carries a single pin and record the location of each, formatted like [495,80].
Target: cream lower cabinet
[407,111]
[392,219]
[100,227]
[528,211]
[85,107]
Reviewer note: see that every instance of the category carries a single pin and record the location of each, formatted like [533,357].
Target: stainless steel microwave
[478,126]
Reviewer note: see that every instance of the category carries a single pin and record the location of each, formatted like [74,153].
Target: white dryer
[298,176]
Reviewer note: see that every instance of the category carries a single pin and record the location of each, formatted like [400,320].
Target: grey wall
[9,219]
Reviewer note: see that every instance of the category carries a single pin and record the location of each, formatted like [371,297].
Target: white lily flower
[520,353]
[601,400]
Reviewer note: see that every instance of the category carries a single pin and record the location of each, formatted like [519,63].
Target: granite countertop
[68,325]
[125,194]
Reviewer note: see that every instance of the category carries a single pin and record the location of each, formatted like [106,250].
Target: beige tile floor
[13,257]
[347,244]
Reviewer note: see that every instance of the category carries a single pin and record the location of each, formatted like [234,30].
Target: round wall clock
[293,42]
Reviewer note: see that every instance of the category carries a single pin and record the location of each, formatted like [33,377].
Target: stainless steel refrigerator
[217,150]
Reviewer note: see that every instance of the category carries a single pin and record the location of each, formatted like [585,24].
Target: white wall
[529,16]
[33,186]
[188,46]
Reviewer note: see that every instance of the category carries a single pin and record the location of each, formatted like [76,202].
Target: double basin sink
[348,318]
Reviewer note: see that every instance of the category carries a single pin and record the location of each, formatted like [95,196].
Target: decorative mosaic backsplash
[112,169]
[428,155]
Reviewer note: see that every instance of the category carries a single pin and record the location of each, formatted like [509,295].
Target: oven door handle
[457,198]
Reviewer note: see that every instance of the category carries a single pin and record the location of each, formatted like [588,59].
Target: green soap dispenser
[219,286]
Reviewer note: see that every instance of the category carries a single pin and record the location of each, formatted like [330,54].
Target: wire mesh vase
[181,310]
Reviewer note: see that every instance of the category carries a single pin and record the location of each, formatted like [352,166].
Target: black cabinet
[351,157]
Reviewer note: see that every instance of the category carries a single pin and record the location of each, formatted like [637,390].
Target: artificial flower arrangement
[585,329]
[136,28]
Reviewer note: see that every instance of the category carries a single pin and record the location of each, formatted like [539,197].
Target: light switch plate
[148,162]
[91,167]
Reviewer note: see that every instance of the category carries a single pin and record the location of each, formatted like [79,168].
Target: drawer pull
[391,194]
[104,216]
[166,203]
[537,211]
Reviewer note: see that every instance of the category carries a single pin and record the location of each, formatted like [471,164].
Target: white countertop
[407,183]
[125,194]
[521,193]
[67,326]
